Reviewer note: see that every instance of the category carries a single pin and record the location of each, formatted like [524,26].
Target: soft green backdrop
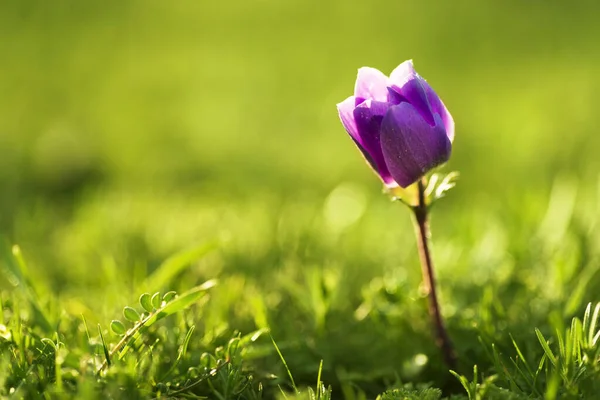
[130,130]
[237,99]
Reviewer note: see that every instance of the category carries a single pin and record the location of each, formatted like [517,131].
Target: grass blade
[104,348]
[285,365]
[175,264]
[546,348]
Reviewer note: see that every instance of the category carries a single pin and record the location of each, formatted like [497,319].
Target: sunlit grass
[152,147]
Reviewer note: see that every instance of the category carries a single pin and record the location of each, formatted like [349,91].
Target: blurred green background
[130,130]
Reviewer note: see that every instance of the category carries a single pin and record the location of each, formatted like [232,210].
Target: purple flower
[399,124]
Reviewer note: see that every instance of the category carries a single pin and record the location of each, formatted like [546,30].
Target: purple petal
[371,84]
[367,139]
[368,117]
[438,107]
[346,113]
[403,73]
[405,81]
[410,146]
[395,98]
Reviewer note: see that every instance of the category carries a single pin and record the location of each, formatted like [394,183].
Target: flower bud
[399,124]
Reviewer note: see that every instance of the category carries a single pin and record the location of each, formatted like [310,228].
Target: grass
[324,298]
[182,215]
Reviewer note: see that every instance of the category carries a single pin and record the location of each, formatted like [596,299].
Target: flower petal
[438,107]
[364,130]
[405,81]
[410,146]
[368,117]
[370,84]
[403,73]
[394,97]
[346,113]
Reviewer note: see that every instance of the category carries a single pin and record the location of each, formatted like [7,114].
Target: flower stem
[422,232]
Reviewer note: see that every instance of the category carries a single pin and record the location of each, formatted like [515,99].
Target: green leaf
[133,335]
[179,304]
[175,264]
[465,383]
[545,346]
[169,296]
[447,183]
[146,302]
[155,300]
[182,302]
[117,327]
[49,342]
[131,314]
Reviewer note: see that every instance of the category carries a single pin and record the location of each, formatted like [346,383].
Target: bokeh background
[130,130]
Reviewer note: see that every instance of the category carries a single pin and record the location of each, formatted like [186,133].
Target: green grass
[193,147]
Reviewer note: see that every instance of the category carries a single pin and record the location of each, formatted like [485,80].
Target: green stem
[422,232]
